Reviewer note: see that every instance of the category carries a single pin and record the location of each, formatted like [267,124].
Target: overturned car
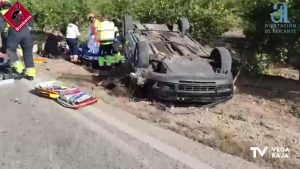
[172,66]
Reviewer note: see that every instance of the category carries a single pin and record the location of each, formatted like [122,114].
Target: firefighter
[24,39]
[4,7]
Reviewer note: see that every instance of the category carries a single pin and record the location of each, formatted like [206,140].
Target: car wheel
[222,60]
[127,24]
[142,55]
[184,25]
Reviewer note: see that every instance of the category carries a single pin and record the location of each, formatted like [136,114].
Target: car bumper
[206,88]
[197,92]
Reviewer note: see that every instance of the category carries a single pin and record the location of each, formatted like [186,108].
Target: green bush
[207,18]
[55,13]
[282,48]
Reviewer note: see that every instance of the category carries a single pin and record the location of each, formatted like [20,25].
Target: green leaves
[55,13]
[208,18]
[278,47]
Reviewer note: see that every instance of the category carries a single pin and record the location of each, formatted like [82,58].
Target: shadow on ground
[269,87]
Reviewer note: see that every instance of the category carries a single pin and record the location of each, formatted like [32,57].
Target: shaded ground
[265,111]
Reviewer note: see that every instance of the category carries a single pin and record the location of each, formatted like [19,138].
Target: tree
[55,13]
[277,47]
[207,18]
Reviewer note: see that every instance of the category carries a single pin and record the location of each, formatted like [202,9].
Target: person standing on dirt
[72,40]
[4,7]
[94,26]
[93,43]
[24,39]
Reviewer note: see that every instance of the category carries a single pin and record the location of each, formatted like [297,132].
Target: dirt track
[265,111]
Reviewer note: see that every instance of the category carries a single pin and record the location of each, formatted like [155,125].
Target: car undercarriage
[174,67]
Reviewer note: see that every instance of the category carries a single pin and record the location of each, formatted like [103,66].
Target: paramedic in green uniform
[106,37]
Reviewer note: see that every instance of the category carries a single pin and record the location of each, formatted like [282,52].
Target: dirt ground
[265,111]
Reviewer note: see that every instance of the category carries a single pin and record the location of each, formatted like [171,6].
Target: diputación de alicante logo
[281,23]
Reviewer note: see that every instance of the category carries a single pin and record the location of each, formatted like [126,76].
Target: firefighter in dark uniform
[4,7]
[24,39]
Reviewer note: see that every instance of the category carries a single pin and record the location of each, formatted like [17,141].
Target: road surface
[37,133]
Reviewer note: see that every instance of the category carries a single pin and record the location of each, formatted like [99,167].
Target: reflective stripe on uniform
[106,60]
[119,58]
[30,72]
[109,60]
[106,42]
[18,66]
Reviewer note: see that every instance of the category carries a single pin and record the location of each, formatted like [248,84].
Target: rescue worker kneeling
[106,36]
[24,39]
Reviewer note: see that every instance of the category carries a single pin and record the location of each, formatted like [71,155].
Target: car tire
[127,24]
[222,60]
[142,55]
[184,25]
[116,48]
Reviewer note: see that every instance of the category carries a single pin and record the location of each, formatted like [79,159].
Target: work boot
[30,73]
[18,67]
